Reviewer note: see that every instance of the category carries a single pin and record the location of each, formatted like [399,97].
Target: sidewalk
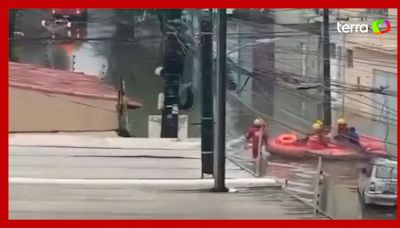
[78,156]
[92,177]
[89,141]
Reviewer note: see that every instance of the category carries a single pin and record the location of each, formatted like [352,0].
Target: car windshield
[386,172]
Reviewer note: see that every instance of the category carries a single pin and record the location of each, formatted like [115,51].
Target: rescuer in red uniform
[255,133]
[342,130]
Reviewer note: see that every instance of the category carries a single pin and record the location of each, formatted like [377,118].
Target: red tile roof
[38,78]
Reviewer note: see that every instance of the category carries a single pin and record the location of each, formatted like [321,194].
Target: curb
[176,183]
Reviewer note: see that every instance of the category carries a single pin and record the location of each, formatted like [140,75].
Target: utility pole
[219,155]
[327,70]
[122,108]
[172,73]
[207,117]
[12,15]
[343,65]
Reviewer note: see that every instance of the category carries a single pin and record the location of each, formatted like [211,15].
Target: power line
[285,125]
[269,75]
[315,100]
[192,56]
[356,87]
[272,118]
[365,58]
[342,60]
[350,87]
[358,111]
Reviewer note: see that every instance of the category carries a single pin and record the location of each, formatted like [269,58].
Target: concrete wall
[293,16]
[39,112]
[298,53]
[364,70]
[372,53]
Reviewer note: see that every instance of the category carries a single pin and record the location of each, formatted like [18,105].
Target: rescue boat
[291,145]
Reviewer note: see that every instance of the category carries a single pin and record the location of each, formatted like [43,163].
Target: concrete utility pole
[327,70]
[122,109]
[12,15]
[207,116]
[172,74]
[219,155]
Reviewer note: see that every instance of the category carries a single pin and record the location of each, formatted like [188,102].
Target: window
[332,50]
[386,172]
[350,58]
[369,170]
[378,12]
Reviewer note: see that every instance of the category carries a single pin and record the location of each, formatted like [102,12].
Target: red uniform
[342,132]
[342,129]
[254,135]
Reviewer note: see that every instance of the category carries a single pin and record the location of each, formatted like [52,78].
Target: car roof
[384,161]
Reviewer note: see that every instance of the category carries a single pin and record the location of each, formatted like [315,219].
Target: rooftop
[31,77]
[384,161]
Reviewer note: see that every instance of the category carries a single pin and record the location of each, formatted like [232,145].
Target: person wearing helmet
[316,126]
[316,129]
[255,133]
[319,130]
[342,130]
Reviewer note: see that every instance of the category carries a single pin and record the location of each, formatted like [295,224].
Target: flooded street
[104,48]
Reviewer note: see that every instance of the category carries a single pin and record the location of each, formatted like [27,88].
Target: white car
[377,183]
[228,11]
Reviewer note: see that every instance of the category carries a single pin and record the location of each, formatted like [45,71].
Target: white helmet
[258,122]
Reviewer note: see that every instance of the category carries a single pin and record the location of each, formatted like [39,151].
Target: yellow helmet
[341,121]
[316,126]
[319,122]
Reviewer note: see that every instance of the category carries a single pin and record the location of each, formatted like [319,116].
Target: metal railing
[320,181]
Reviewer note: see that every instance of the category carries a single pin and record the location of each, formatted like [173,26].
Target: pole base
[220,189]
[123,133]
